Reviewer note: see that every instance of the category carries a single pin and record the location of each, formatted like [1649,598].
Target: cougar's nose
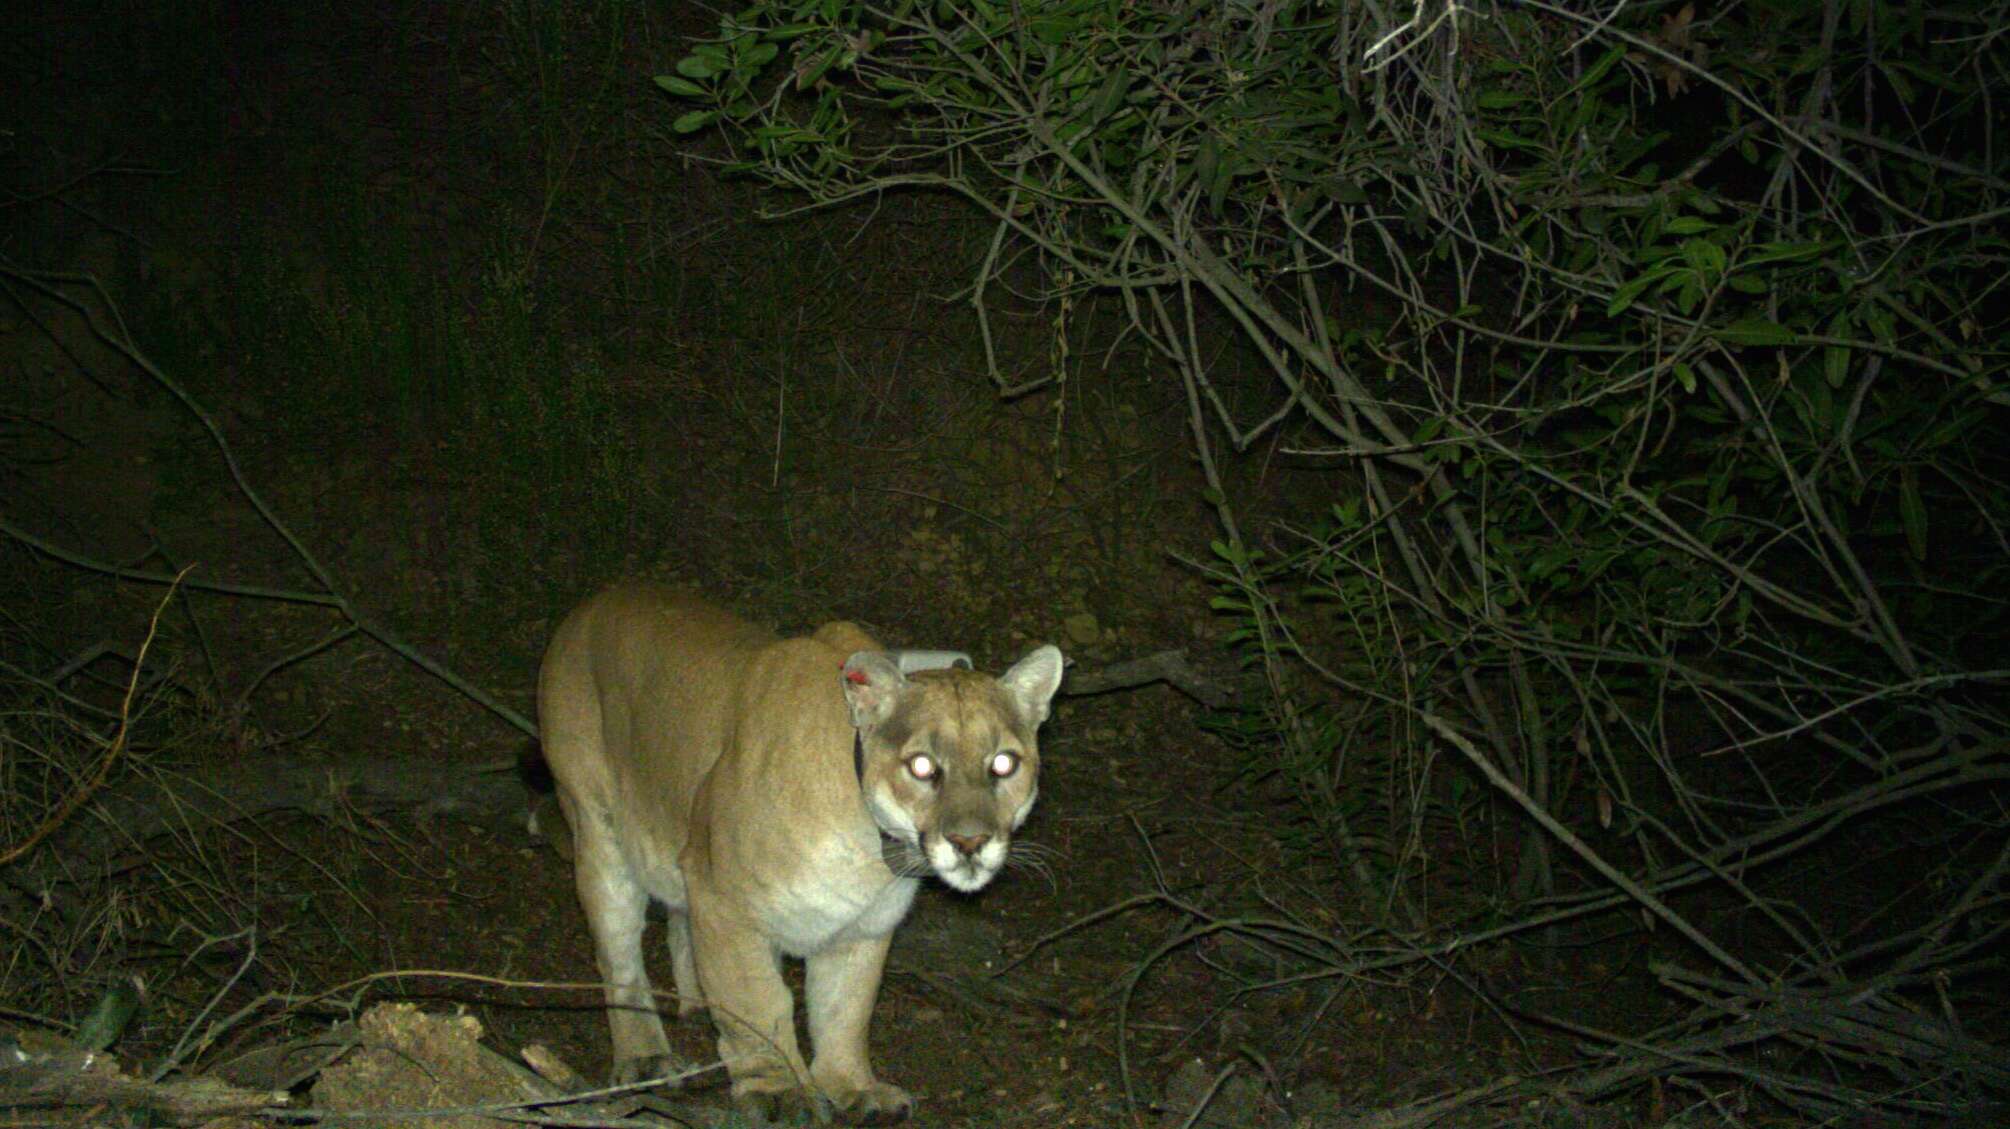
[968,844]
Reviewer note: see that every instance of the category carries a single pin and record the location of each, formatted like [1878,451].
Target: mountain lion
[781,797]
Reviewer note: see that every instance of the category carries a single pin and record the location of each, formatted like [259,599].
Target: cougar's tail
[543,816]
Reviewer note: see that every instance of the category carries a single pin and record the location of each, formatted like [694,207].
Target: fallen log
[109,833]
[50,1073]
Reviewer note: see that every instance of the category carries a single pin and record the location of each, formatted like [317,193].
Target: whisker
[910,863]
[1035,862]
[1034,866]
[1036,851]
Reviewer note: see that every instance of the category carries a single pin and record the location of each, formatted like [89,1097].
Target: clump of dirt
[409,1060]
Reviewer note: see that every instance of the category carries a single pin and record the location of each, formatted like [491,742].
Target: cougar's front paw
[881,1103]
[783,1107]
[643,1068]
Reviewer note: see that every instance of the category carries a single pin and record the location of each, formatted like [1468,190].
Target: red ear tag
[857,677]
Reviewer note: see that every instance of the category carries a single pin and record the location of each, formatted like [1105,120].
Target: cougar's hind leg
[616,908]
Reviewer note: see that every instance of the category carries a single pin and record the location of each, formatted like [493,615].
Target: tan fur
[706,764]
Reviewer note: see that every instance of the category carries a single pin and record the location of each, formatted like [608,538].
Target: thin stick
[1612,874]
[120,339]
[117,749]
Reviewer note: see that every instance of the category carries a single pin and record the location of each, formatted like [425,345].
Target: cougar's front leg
[683,968]
[842,982]
[741,976]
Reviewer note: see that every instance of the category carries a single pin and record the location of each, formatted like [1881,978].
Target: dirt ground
[1067,995]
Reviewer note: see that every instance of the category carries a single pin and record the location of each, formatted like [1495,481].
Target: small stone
[1083,629]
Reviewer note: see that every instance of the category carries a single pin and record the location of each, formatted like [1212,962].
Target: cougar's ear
[1032,681]
[872,680]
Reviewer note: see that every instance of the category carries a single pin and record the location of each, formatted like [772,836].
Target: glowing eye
[1004,764]
[922,766]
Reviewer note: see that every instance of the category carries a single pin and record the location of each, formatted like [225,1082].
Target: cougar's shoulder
[783,804]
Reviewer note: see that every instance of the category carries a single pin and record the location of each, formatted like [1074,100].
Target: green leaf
[1689,225]
[1110,95]
[1625,295]
[1346,190]
[1548,560]
[1502,139]
[1783,252]
[1947,431]
[1600,68]
[1900,86]
[1685,376]
[109,1018]
[1055,30]
[1687,287]
[693,121]
[808,76]
[681,87]
[1205,156]
[1912,511]
[691,66]
[1217,191]
[1704,255]
[1756,331]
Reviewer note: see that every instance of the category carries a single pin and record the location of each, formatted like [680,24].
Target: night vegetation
[1576,431]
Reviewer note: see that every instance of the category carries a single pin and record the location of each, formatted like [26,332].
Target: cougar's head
[951,767]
